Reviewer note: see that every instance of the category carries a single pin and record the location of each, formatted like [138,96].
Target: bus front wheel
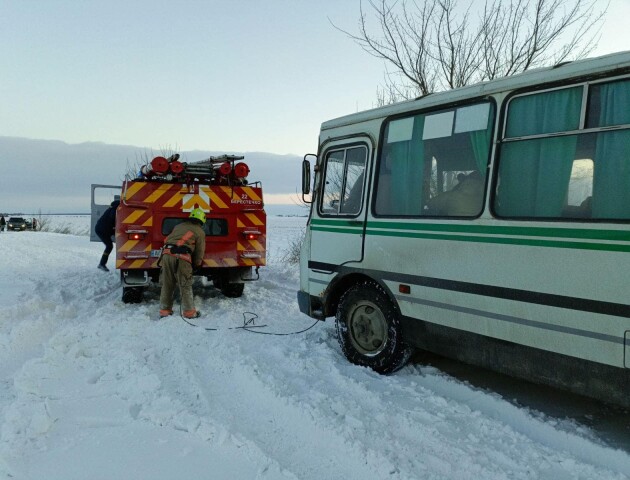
[368,329]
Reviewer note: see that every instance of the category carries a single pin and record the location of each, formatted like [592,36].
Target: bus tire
[368,329]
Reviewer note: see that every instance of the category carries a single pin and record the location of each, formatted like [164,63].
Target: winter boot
[165,313]
[193,313]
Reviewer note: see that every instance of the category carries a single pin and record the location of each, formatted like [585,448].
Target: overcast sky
[229,75]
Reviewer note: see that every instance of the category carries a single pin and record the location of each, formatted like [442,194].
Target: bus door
[337,224]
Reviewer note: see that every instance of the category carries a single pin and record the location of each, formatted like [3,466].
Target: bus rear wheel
[368,329]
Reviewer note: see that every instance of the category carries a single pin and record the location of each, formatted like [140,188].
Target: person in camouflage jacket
[183,251]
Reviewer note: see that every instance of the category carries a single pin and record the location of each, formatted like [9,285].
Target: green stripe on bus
[507,241]
[553,232]
[337,223]
[484,234]
[354,231]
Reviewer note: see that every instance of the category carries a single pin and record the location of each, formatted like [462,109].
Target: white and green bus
[490,224]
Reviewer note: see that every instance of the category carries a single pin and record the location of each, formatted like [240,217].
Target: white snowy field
[91,388]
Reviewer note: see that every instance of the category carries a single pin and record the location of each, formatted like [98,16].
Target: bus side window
[422,156]
[457,184]
[344,181]
[536,159]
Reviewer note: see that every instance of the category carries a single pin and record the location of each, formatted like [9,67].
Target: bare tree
[436,45]
[145,158]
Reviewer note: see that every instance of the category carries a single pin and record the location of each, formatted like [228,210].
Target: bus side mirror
[306,176]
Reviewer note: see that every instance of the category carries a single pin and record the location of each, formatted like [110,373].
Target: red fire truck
[163,194]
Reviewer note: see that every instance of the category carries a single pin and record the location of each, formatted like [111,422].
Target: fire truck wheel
[232,290]
[132,295]
[368,329]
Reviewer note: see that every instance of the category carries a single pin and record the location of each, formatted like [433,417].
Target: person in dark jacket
[3,222]
[183,250]
[105,228]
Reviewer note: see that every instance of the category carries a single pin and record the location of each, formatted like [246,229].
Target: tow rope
[249,324]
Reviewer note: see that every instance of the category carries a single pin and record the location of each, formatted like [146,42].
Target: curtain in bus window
[534,177]
[611,181]
[608,104]
[480,141]
[534,174]
[399,189]
[547,112]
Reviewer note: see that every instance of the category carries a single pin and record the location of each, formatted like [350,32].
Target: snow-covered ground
[91,388]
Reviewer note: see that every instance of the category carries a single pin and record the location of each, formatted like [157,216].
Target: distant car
[16,223]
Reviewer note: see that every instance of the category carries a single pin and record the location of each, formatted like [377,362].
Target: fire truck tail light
[241,170]
[136,234]
[251,235]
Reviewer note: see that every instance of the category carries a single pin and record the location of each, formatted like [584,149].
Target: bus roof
[577,68]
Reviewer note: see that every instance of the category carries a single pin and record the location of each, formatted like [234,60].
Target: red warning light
[241,170]
[251,235]
[159,165]
[177,167]
[225,168]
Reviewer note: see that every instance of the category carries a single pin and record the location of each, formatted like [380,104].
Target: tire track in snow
[325,435]
[414,427]
[286,432]
[77,382]
[189,408]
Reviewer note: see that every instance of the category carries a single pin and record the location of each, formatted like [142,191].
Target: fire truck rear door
[102,197]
